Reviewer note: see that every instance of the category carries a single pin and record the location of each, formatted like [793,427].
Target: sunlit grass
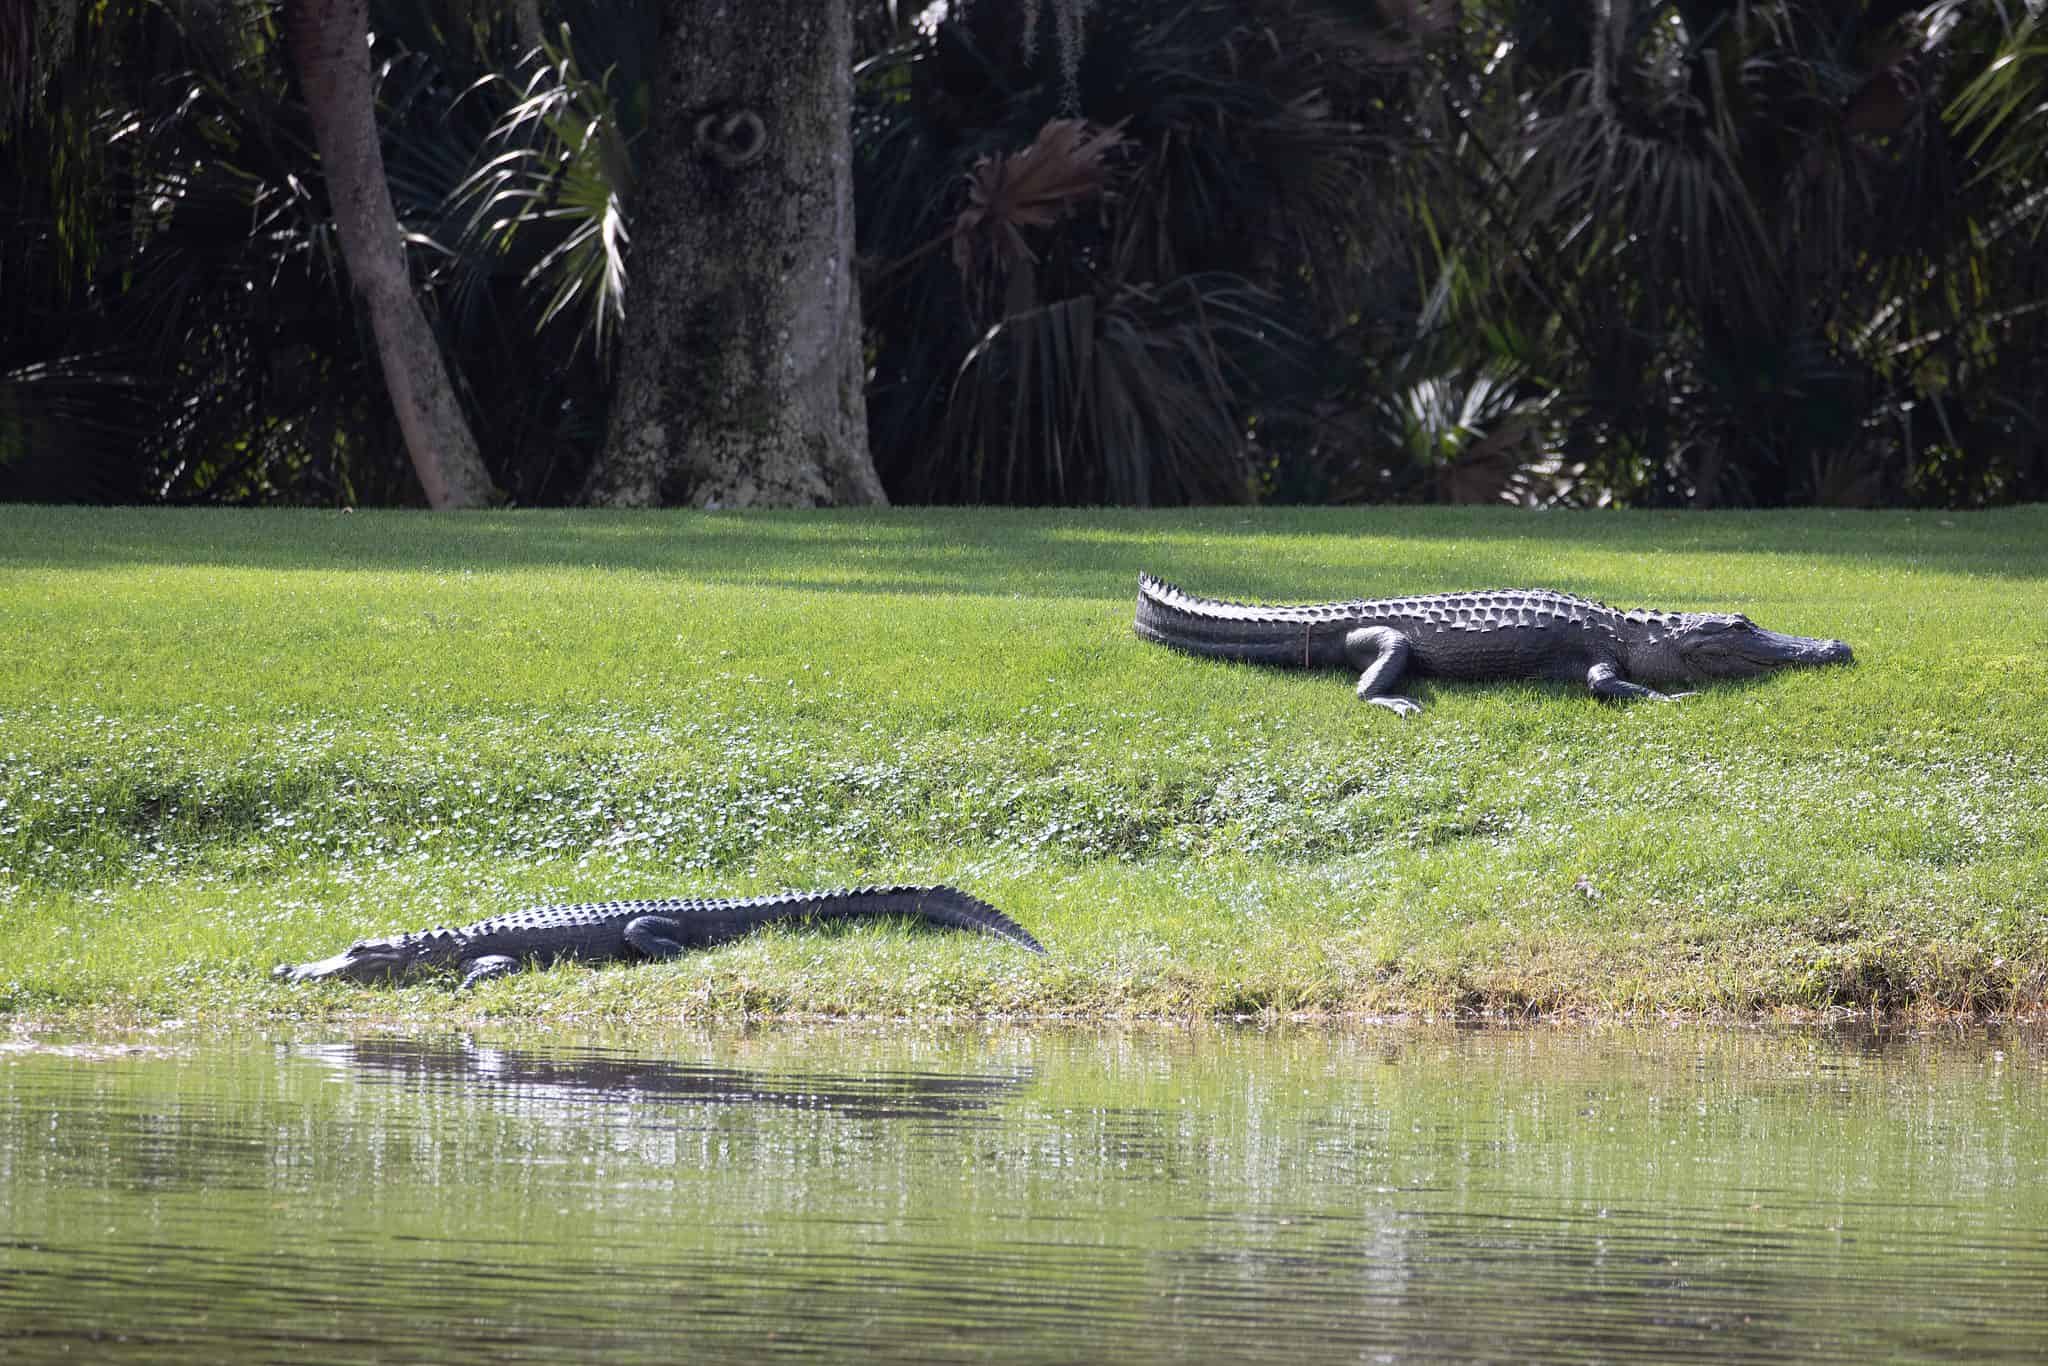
[229,739]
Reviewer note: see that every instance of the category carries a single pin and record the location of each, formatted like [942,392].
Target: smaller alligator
[1515,633]
[597,931]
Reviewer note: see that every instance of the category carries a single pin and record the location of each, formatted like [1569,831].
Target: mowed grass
[229,739]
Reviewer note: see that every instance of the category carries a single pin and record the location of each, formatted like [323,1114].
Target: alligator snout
[1760,649]
[1805,650]
[351,964]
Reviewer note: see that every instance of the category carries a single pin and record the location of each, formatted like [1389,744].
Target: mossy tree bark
[329,45]
[740,369]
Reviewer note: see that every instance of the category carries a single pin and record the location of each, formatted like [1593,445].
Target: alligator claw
[1400,706]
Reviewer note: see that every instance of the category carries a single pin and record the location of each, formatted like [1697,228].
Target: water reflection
[572,1077]
[1028,1196]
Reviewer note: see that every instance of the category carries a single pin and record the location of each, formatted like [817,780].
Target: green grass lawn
[232,738]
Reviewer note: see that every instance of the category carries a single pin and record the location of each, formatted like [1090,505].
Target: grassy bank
[228,739]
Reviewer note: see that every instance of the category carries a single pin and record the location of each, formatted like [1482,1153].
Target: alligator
[596,931]
[1513,633]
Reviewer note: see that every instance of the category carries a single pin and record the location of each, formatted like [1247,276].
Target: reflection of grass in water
[228,740]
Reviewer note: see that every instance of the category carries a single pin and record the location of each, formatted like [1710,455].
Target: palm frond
[1135,400]
[2003,110]
[68,426]
[558,171]
[1065,165]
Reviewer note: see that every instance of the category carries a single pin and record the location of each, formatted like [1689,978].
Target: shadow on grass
[1270,555]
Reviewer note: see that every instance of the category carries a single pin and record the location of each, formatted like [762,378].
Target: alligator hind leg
[657,936]
[1609,686]
[484,968]
[1380,653]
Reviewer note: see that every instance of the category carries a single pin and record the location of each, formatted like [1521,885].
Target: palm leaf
[560,173]
[1065,165]
[1137,400]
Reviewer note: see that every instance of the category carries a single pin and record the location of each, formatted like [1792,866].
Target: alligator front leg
[487,966]
[656,936]
[1609,686]
[1380,653]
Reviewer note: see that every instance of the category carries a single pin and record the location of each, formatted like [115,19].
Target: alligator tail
[941,905]
[1241,631]
[1168,616]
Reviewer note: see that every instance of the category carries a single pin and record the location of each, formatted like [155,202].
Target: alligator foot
[656,936]
[1380,653]
[1608,685]
[485,968]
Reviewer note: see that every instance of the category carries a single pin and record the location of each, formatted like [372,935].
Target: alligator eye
[1740,620]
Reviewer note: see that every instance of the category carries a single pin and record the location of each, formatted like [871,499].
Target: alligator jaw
[312,972]
[1760,650]
[1821,651]
[354,964]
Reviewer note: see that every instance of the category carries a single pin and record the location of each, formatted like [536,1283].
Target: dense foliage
[1683,252]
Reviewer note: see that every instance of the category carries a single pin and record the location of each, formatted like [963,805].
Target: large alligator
[1516,633]
[596,931]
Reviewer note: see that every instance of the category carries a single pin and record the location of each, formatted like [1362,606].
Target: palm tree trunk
[329,44]
[740,371]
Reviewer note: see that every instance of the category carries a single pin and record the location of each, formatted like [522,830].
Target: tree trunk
[329,44]
[740,368]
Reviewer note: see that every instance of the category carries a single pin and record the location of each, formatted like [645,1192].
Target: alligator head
[1698,647]
[366,960]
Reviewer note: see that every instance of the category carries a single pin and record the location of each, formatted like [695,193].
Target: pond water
[1001,1194]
